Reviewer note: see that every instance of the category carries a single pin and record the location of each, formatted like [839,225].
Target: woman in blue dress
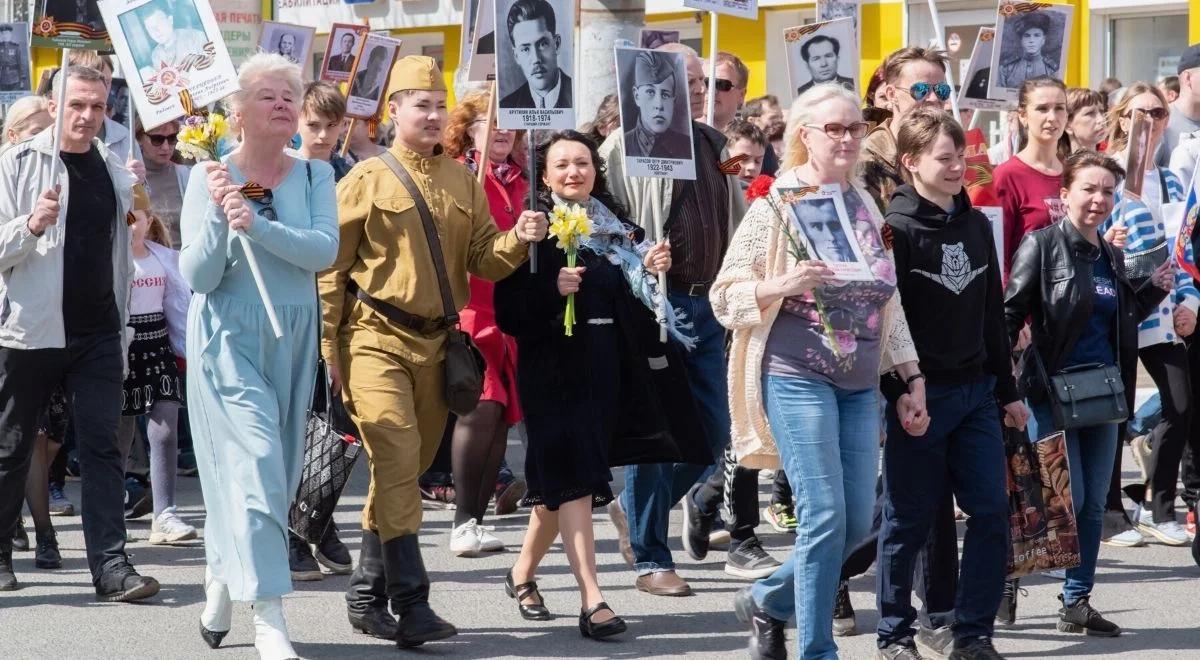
[251,390]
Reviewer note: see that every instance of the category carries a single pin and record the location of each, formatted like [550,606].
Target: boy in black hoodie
[949,281]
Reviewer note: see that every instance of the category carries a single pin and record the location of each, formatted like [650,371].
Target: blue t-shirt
[1094,346]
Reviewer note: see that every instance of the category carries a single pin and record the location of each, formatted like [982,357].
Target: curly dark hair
[600,189]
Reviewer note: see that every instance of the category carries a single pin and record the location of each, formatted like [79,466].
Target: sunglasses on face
[922,89]
[722,84]
[157,140]
[857,130]
[262,196]
[1157,114]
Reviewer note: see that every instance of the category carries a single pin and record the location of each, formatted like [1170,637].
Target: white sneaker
[1168,533]
[1117,532]
[465,540]
[488,542]
[168,528]
[1130,538]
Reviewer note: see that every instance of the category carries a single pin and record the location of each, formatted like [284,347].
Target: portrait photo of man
[171,40]
[1029,58]
[14,60]
[343,58]
[819,220]
[372,76]
[655,90]
[532,30]
[84,12]
[822,55]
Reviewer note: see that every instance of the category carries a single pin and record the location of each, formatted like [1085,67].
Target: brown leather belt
[398,316]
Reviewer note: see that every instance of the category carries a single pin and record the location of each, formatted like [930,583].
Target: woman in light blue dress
[251,391]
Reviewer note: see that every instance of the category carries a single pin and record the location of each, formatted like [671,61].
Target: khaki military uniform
[393,376]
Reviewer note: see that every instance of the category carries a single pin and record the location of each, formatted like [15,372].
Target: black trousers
[1168,365]
[90,370]
[737,488]
[781,490]
[1190,474]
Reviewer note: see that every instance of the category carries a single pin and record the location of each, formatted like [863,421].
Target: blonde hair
[804,111]
[23,110]
[267,65]
[1118,138]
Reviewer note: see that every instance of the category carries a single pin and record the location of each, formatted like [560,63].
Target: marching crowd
[140,337]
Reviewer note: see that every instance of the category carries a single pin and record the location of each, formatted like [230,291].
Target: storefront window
[1146,48]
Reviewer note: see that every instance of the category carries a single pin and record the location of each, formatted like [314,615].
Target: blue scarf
[611,240]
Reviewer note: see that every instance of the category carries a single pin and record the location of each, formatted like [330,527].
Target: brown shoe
[663,583]
[622,524]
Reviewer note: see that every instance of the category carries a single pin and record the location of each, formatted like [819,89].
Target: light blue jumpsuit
[248,392]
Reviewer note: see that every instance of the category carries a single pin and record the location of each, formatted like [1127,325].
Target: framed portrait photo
[818,216]
[656,119]
[977,79]
[70,24]
[483,48]
[369,82]
[1032,40]
[15,65]
[166,47]
[291,41]
[740,8]
[345,40]
[654,38]
[535,50]
[820,53]
[830,10]
[1137,153]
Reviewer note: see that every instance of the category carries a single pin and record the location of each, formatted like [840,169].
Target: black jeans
[737,488]
[90,370]
[781,490]
[1168,365]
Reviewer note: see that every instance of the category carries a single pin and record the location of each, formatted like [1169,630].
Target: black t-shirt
[89,306]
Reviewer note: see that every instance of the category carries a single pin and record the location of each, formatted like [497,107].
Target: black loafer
[535,612]
[588,628]
[122,584]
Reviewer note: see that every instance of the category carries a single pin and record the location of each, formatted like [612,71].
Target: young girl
[158,304]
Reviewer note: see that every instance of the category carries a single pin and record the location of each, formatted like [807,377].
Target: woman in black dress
[592,398]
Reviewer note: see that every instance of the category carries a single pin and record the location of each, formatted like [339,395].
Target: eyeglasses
[922,89]
[722,84]
[857,130]
[256,193]
[1157,114]
[157,140]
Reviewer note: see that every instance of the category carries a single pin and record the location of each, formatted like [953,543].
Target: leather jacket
[1050,283]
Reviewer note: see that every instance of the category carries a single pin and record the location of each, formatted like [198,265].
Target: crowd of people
[877,406]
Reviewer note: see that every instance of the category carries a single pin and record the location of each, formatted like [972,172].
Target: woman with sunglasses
[1137,226]
[480,438]
[252,393]
[820,394]
[166,178]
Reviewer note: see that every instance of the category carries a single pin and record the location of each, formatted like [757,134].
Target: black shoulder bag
[463,363]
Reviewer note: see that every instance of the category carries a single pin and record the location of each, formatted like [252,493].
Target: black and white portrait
[292,41]
[369,82]
[820,218]
[82,12]
[483,49]
[14,61]
[118,101]
[829,10]
[68,24]
[162,34]
[344,41]
[974,93]
[1031,41]
[534,52]
[742,8]
[822,53]
[655,116]
[654,38]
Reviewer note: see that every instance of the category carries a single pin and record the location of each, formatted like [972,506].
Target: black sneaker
[979,648]
[767,640]
[300,560]
[186,464]
[1080,617]
[46,555]
[843,612]
[138,499]
[898,652]
[696,526]
[749,560]
[332,553]
[8,580]
[122,584]
[20,539]
[1007,612]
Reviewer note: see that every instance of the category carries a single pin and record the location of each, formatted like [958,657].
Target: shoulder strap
[1162,182]
[431,235]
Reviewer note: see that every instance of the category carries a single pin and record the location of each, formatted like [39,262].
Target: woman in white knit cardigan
[803,395]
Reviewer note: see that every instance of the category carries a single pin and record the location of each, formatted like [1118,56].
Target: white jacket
[176,298]
[31,267]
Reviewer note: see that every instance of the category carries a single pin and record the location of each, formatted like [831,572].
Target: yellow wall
[1077,59]
[451,36]
[1193,21]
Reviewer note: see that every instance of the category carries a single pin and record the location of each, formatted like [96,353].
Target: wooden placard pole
[712,70]
[533,185]
[485,149]
[346,143]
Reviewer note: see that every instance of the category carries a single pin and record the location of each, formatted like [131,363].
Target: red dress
[506,195]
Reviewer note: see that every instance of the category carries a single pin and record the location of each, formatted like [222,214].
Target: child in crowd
[748,141]
[322,121]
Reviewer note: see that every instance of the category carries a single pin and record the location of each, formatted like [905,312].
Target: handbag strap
[450,314]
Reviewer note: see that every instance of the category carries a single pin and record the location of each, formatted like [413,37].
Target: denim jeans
[828,441]
[962,451]
[651,490]
[1090,457]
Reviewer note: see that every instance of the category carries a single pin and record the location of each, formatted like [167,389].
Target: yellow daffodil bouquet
[571,226]
[206,137]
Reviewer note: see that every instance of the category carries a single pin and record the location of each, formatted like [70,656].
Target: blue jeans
[963,452]
[1091,452]
[651,490]
[828,440]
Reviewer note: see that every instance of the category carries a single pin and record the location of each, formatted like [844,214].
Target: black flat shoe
[212,637]
[20,540]
[588,628]
[535,612]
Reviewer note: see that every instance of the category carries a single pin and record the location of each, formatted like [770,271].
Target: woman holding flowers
[589,397]
[804,368]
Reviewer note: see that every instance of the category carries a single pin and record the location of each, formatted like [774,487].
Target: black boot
[366,599]
[408,592]
[332,553]
[20,538]
[8,581]
[47,555]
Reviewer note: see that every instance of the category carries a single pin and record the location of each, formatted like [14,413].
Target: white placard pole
[940,40]
[261,284]
[60,102]
[712,69]
[132,126]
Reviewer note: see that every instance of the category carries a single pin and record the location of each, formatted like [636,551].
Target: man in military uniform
[656,98]
[14,72]
[384,335]
[1032,28]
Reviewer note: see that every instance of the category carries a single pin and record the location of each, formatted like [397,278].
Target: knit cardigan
[758,252]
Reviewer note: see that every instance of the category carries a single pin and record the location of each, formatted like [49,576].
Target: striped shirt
[699,232]
[1144,219]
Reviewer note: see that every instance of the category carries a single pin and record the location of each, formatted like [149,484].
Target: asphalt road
[1152,592]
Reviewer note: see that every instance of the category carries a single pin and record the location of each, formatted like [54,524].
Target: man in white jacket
[63,309]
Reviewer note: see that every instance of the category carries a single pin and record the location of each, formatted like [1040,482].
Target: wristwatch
[917,376]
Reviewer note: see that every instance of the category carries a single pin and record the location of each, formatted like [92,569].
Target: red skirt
[500,357]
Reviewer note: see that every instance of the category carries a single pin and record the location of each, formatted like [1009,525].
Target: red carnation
[759,187]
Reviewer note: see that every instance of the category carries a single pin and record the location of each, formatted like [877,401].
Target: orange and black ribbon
[254,191]
[733,165]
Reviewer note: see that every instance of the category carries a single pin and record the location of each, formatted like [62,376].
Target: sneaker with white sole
[1118,533]
[748,560]
[1168,533]
[168,527]
[488,542]
[464,540]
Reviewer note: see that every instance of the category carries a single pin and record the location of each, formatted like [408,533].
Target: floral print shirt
[798,345]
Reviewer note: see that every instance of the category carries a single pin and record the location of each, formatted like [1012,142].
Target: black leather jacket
[1051,283]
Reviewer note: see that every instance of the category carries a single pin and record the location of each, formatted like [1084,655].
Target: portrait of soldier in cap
[14,67]
[532,30]
[1028,56]
[654,90]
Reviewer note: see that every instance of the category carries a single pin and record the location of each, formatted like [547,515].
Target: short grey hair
[267,65]
[676,47]
[84,73]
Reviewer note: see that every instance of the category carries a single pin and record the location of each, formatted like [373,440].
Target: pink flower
[873,321]
[846,341]
[884,271]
